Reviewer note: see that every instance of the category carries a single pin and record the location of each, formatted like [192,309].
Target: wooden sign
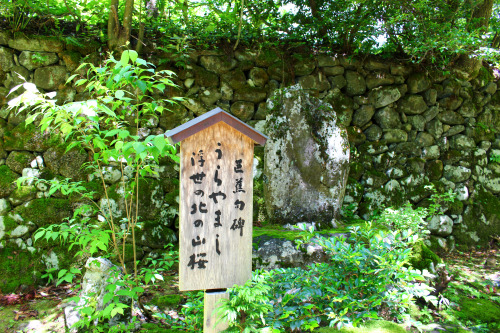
[216,194]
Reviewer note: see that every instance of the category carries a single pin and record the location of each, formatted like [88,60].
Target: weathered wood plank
[211,322]
[215,209]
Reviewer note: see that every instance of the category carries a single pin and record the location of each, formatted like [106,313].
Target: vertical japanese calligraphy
[215,209]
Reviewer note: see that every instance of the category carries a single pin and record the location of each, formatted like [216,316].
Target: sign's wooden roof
[210,118]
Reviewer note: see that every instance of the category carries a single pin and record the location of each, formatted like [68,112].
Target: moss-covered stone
[356,170]
[17,267]
[481,219]
[422,257]
[18,160]
[29,138]
[7,181]
[45,211]
[22,194]
[434,169]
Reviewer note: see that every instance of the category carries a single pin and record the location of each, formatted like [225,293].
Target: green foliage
[367,276]
[103,126]
[434,31]
[191,312]
[405,218]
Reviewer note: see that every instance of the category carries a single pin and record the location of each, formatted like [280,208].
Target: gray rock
[373,133]
[337,81]
[304,67]
[210,96]
[375,65]
[431,152]
[430,96]
[441,225]
[205,78]
[387,118]
[424,139]
[18,160]
[451,118]
[462,142]
[356,84]
[4,206]
[363,115]
[243,110]
[98,275]
[314,82]
[19,74]
[435,128]
[418,82]
[277,252]
[342,104]
[249,94]
[50,78]
[34,60]
[196,106]
[469,109]
[306,172]
[431,113]
[417,122]
[33,43]
[456,174]
[454,130]
[378,79]
[384,96]
[398,69]
[412,105]
[217,64]
[258,76]
[395,136]
[333,71]
[6,59]
[328,61]
[451,103]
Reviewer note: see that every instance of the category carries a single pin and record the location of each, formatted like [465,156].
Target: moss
[17,267]
[356,170]
[29,138]
[7,177]
[9,223]
[45,211]
[422,257]
[481,220]
[167,301]
[479,309]
[374,326]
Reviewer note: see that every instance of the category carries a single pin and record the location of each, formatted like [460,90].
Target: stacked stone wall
[408,128]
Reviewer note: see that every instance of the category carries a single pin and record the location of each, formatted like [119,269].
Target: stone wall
[408,128]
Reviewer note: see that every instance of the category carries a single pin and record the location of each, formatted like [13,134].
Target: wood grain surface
[215,209]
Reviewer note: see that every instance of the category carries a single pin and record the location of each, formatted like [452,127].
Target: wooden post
[216,203]
[211,323]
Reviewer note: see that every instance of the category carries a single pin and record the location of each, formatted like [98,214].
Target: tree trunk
[119,33]
[481,15]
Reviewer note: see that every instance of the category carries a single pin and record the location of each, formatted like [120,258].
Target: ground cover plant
[107,128]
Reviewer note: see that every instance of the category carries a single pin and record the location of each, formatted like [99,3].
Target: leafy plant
[105,127]
[367,278]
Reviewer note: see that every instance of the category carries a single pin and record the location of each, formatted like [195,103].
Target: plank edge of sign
[210,118]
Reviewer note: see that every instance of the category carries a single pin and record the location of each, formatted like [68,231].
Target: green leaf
[119,94]
[133,55]
[125,58]
[160,142]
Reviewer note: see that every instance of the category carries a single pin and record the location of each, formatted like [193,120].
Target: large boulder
[307,159]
